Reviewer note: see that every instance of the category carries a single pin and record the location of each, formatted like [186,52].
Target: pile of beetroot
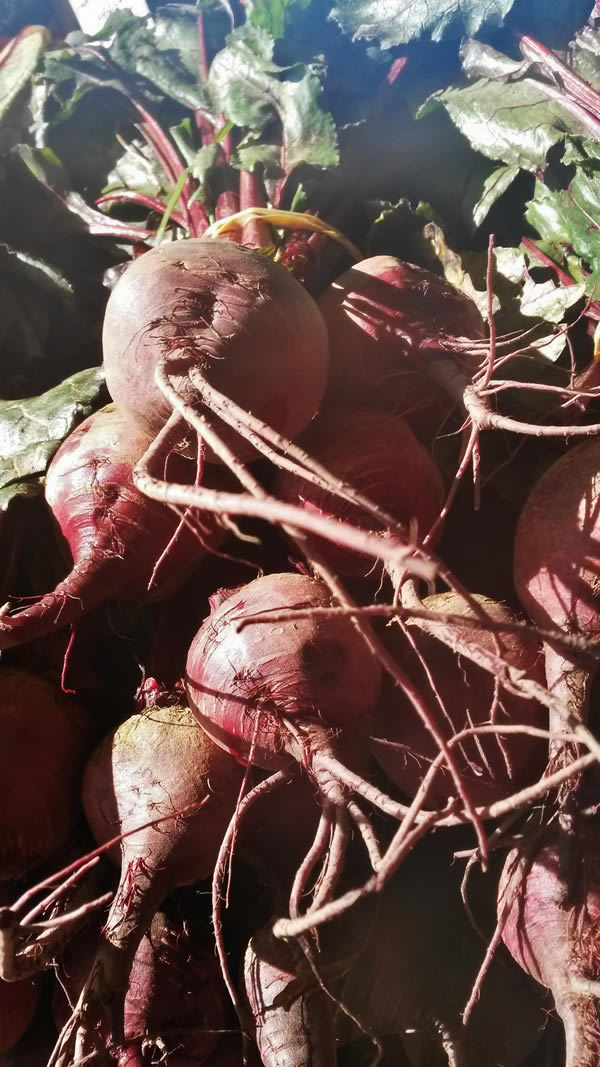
[356,759]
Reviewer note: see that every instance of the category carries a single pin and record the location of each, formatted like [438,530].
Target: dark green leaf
[568,217]
[135,50]
[175,28]
[395,22]
[252,91]
[516,122]
[580,150]
[202,163]
[138,170]
[18,62]
[250,153]
[31,430]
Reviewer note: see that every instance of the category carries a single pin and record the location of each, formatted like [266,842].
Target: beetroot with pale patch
[116,535]
[158,765]
[378,455]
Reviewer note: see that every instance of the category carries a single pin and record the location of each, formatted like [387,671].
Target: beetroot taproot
[115,535]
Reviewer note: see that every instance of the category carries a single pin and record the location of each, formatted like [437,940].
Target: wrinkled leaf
[567,217]
[252,90]
[31,430]
[394,22]
[585,56]
[581,150]
[543,300]
[202,166]
[175,28]
[135,51]
[250,153]
[548,301]
[18,61]
[516,122]
[480,60]
[138,170]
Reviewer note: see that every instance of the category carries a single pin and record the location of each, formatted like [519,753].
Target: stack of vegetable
[300,632]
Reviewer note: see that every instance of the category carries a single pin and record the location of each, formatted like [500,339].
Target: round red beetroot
[242,683]
[45,742]
[378,455]
[385,318]
[251,328]
[18,1002]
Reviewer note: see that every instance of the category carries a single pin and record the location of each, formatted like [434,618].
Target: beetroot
[550,926]
[288,693]
[244,321]
[384,317]
[290,1031]
[410,956]
[115,535]
[378,455]
[390,321]
[156,766]
[491,765]
[247,685]
[556,573]
[175,1004]
[204,333]
[42,728]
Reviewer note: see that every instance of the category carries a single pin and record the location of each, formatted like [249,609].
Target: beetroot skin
[45,729]
[491,766]
[551,929]
[114,533]
[385,318]
[243,683]
[251,328]
[379,455]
